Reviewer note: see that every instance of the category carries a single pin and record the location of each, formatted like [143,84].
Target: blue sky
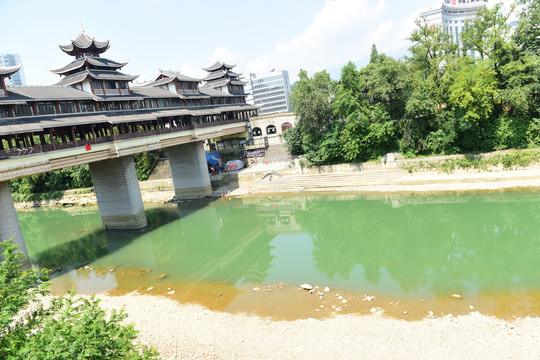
[187,35]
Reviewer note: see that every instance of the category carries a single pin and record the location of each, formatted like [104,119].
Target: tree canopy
[438,100]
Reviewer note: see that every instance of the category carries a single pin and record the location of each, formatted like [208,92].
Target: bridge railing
[110,138]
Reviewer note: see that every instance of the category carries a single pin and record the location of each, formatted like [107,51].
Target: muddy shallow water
[410,252]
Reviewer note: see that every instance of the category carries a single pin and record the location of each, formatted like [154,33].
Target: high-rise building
[452,15]
[271,91]
[10,60]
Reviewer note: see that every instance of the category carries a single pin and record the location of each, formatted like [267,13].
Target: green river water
[393,245]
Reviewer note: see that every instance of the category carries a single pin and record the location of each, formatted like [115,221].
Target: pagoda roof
[95,74]
[179,76]
[222,82]
[218,65]
[216,83]
[84,42]
[220,73]
[8,71]
[91,60]
[169,76]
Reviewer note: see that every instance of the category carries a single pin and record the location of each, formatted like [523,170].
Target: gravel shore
[184,331]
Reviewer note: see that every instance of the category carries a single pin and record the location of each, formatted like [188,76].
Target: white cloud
[343,30]
[221,54]
[187,69]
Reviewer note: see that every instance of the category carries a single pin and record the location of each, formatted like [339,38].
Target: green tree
[70,328]
[374,54]
[312,102]
[527,34]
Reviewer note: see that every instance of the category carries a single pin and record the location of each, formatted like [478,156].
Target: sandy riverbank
[160,191]
[193,332]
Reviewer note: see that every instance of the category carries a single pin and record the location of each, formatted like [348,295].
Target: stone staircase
[330,180]
[276,151]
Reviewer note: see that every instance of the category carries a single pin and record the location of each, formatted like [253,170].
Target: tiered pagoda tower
[6,72]
[221,77]
[90,72]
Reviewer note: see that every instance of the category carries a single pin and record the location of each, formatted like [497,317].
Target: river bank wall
[293,176]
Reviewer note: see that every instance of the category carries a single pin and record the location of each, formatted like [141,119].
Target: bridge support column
[118,193]
[189,171]
[9,223]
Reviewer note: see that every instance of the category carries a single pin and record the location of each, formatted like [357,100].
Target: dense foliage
[49,184]
[70,328]
[438,100]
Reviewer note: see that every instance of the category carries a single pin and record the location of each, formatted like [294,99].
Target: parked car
[234,165]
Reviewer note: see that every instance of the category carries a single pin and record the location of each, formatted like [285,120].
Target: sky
[187,35]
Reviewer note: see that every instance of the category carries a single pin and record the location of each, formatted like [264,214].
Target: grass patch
[509,161]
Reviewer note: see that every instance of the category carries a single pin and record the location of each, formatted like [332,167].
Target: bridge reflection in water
[399,245]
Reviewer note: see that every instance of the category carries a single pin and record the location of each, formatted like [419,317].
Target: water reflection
[434,245]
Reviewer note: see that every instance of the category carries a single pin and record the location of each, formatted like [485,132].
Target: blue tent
[212,159]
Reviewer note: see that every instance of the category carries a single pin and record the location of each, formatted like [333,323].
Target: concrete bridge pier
[118,193]
[9,224]
[189,171]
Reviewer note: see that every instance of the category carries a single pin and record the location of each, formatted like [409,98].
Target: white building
[453,15]
[271,91]
[10,60]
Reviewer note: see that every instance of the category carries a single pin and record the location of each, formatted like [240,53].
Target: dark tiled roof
[216,83]
[7,71]
[95,74]
[95,61]
[169,76]
[83,42]
[39,123]
[215,93]
[46,93]
[218,65]
[215,75]
[162,81]
[153,92]
[179,76]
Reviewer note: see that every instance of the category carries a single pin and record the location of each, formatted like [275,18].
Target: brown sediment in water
[291,302]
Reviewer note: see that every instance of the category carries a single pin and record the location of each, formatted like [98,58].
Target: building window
[86,106]
[286,126]
[270,130]
[256,131]
[23,110]
[45,108]
[4,112]
[67,107]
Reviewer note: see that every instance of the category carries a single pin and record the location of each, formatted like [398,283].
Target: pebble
[311,291]
[111,270]
[162,276]
[457,296]
[306,287]
[256,289]
[430,313]
[340,297]
[150,288]
[471,307]
[327,289]
[344,301]
[405,313]
[170,292]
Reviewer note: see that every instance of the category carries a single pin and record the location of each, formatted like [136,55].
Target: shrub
[70,328]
